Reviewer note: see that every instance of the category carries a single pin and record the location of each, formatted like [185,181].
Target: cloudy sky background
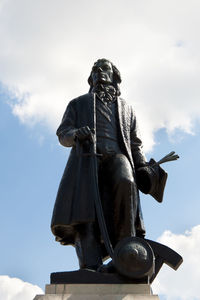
[46,54]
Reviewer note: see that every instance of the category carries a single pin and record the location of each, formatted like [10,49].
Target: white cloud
[184,283]
[48,48]
[16,289]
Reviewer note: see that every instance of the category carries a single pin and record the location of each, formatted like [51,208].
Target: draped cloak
[75,198]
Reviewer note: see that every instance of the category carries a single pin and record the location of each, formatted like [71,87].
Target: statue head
[104,72]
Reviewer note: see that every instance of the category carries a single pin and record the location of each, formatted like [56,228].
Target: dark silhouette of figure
[103,119]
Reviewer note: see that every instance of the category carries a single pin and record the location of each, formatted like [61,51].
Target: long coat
[75,198]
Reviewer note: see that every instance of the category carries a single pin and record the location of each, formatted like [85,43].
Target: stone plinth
[97,292]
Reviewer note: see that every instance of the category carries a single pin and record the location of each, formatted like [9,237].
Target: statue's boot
[88,247]
[107,268]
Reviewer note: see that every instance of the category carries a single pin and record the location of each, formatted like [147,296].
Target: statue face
[102,73]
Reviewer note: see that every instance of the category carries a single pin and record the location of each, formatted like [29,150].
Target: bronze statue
[98,202]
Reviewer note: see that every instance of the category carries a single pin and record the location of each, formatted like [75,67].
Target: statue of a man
[101,116]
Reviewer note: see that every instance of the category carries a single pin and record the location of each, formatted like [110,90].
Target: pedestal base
[97,292]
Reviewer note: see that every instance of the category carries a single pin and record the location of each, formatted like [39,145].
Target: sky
[47,50]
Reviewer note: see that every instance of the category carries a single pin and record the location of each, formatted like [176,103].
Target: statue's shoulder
[82,98]
[122,101]
[125,104]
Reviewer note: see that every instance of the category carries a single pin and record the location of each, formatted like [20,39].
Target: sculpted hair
[116,75]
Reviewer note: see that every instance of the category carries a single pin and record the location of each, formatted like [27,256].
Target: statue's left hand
[143,175]
[85,133]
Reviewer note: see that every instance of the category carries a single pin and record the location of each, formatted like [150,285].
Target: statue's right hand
[85,133]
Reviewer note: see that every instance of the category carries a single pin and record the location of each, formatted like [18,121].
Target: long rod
[99,210]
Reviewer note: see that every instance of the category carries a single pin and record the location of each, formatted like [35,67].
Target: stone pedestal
[97,292]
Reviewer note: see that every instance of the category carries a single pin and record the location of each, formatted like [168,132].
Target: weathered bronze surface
[98,207]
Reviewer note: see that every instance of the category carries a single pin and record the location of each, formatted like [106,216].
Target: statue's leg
[119,176]
[88,246]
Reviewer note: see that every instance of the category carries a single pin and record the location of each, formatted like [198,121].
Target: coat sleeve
[67,129]
[136,144]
